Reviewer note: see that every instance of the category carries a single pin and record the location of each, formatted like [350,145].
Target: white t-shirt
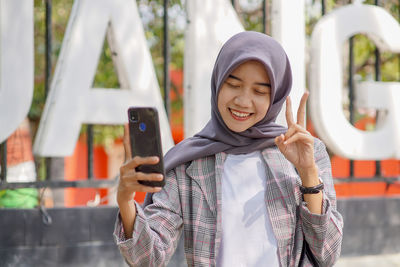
[247,235]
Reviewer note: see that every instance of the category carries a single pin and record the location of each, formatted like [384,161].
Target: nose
[243,99]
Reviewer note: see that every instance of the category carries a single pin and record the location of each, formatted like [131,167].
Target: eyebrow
[262,84]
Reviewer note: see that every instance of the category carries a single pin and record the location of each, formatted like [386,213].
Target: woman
[244,191]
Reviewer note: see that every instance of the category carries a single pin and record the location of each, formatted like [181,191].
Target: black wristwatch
[312,190]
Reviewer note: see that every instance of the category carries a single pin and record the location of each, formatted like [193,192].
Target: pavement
[388,260]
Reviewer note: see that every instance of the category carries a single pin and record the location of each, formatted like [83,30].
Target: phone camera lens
[133,116]
[142,126]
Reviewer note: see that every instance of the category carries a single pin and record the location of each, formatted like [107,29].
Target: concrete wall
[83,236]
[76,237]
[371,226]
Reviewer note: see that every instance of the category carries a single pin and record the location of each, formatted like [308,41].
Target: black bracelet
[312,190]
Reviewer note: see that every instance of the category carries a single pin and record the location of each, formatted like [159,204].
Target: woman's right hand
[129,177]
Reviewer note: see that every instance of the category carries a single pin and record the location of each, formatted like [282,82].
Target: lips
[240,115]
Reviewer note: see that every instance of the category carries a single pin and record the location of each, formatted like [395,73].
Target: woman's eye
[261,92]
[233,85]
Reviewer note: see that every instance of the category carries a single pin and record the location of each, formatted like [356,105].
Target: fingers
[294,129]
[289,114]
[301,112]
[279,141]
[132,182]
[129,181]
[128,169]
[128,186]
[141,176]
[288,138]
[137,161]
[127,143]
[148,189]
[299,136]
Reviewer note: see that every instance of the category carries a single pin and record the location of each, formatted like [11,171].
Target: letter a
[72,101]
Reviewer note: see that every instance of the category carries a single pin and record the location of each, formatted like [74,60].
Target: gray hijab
[216,137]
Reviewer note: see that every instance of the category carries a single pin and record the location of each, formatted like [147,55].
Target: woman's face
[245,96]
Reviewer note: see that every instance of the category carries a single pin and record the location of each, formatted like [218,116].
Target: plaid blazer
[191,201]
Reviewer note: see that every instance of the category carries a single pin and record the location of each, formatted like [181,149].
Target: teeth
[240,114]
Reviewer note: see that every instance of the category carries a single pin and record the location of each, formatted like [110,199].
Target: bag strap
[301,262]
[311,256]
[307,251]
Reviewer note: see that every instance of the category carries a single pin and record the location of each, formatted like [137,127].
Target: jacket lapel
[207,173]
[280,200]
[219,168]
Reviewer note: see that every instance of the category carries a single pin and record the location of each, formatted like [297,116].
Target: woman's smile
[240,115]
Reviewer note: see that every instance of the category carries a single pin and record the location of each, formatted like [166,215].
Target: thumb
[279,142]
[127,143]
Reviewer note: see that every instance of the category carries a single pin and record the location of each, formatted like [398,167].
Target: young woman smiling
[244,97]
[244,191]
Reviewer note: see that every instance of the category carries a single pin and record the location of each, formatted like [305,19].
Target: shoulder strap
[307,251]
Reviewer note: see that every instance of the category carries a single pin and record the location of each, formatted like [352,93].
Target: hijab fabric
[216,137]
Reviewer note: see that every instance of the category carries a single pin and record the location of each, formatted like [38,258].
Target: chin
[238,129]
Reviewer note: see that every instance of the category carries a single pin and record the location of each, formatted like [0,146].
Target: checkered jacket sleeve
[323,232]
[157,229]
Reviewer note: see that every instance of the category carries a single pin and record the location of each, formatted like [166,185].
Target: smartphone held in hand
[145,139]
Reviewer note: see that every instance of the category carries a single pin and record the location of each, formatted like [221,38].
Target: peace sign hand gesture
[297,144]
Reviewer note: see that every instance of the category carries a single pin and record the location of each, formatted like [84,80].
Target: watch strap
[312,190]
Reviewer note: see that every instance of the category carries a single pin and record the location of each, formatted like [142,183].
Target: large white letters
[16,63]
[72,101]
[210,24]
[288,27]
[326,83]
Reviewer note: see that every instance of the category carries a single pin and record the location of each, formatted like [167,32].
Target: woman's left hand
[297,144]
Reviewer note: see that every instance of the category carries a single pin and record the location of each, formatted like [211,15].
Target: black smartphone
[145,137]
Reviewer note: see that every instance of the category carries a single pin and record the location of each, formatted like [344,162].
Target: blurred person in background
[20,169]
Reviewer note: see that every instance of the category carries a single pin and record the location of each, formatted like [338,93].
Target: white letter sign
[72,101]
[16,63]
[326,80]
[288,28]
[210,24]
